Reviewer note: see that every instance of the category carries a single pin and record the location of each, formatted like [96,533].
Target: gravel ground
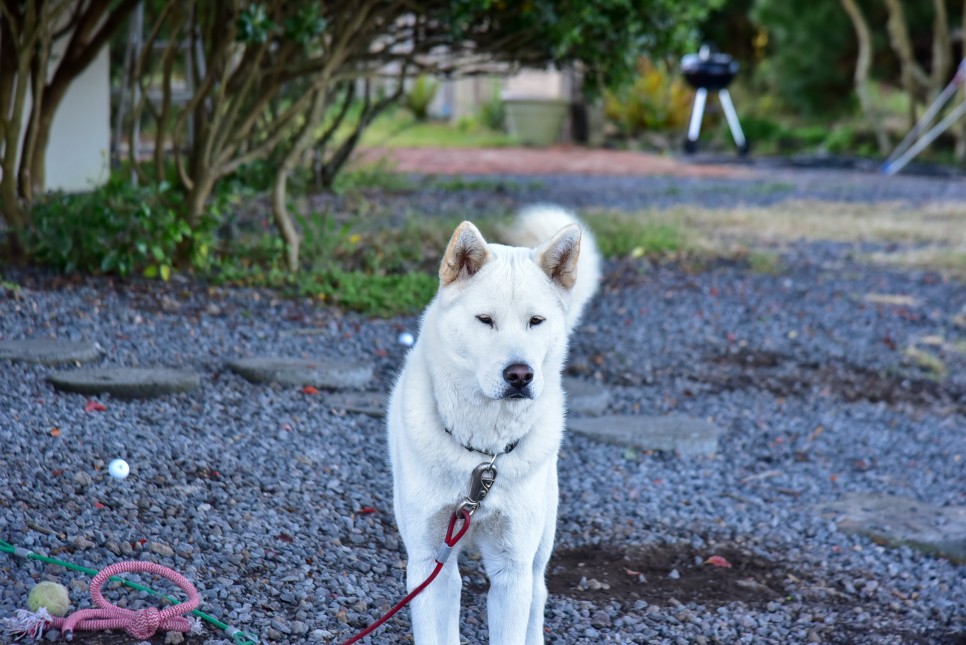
[278,507]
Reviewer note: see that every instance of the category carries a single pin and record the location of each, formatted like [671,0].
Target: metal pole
[928,116]
[697,113]
[729,109]
[929,137]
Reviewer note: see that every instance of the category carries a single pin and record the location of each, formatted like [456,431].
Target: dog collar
[507,449]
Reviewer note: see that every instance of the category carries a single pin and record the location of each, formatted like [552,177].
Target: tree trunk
[283,219]
[960,129]
[204,183]
[862,65]
[305,138]
[33,168]
[914,79]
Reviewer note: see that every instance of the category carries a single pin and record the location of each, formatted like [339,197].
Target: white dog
[481,389]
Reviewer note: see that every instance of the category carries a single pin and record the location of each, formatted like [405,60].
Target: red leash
[444,550]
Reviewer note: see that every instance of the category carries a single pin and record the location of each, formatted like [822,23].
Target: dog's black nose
[518,375]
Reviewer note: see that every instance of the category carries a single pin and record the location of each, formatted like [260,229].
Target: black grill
[711,72]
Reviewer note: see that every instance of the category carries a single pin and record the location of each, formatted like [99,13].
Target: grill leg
[697,113]
[729,109]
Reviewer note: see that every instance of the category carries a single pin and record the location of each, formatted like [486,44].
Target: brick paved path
[558,160]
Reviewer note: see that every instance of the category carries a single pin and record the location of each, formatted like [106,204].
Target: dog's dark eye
[486,320]
[536,320]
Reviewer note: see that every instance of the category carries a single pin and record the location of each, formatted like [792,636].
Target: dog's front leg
[435,611]
[509,599]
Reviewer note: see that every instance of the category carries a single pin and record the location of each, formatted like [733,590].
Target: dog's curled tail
[537,224]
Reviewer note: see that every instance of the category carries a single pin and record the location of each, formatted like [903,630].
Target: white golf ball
[118,469]
[406,339]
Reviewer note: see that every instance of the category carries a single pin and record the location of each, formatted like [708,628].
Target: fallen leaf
[308,389]
[718,561]
[55,432]
[57,473]
[631,572]
[285,537]
[98,505]
[94,406]
[366,510]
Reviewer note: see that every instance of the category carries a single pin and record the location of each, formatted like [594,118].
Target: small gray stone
[125,382]
[892,520]
[600,619]
[83,478]
[173,638]
[83,543]
[161,549]
[586,398]
[333,374]
[48,351]
[685,435]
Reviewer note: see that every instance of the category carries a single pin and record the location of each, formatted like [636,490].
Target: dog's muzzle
[518,377]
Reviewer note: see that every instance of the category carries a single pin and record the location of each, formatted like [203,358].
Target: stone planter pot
[536,121]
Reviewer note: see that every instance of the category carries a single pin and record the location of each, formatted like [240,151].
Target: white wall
[78,156]
[80,136]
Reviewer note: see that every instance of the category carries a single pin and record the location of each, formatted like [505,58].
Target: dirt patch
[784,376]
[659,574]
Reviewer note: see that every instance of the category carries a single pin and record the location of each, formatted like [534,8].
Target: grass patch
[926,361]
[930,237]
[623,235]
[400,129]
[11,287]
[767,262]
[456,184]
[376,175]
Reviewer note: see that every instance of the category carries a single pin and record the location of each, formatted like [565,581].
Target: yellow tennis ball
[52,596]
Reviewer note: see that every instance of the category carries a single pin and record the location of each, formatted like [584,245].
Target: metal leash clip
[481,481]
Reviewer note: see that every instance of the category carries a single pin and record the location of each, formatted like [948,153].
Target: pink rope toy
[141,624]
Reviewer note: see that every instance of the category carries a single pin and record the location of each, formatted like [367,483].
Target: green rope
[240,637]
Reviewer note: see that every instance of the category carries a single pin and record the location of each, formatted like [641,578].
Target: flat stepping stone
[325,373]
[896,521]
[48,351]
[125,382]
[371,403]
[676,433]
[586,398]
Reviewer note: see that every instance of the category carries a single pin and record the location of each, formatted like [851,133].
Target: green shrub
[118,228]
[377,270]
[493,111]
[762,129]
[658,100]
[373,294]
[420,96]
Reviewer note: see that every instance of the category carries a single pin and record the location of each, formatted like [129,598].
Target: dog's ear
[558,257]
[465,254]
